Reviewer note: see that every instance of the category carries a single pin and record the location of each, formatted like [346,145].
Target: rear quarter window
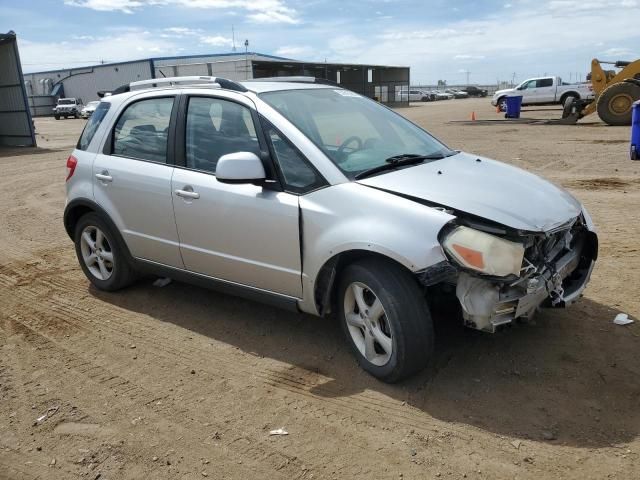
[92,125]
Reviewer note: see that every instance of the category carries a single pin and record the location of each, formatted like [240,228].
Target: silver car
[89,108]
[315,198]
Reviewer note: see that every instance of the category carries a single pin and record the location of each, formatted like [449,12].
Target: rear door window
[142,130]
[545,82]
[92,125]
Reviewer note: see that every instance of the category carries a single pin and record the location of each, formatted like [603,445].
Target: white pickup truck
[544,90]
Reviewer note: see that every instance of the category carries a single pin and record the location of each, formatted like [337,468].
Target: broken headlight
[483,252]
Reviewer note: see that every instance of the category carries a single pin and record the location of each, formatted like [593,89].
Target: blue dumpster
[514,104]
[635,131]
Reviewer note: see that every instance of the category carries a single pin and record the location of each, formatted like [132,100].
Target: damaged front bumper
[556,278]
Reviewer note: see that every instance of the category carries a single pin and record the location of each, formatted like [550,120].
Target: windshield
[356,133]
[63,101]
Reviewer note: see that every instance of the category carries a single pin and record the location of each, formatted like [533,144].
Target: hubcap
[367,323]
[96,253]
[621,103]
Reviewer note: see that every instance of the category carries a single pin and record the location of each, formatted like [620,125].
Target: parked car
[444,95]
[67,107]
[89,108]
[415,95]
[457,93]
[474,91]
[315,198]
[544,91]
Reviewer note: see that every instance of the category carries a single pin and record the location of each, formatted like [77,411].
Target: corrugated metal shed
[16,127]
[381,82]
[85,82]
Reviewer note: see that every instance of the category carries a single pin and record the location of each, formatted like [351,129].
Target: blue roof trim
[154,59]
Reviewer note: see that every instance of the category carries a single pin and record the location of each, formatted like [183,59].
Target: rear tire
[614,103]
[392,339]
[101,254]
[569,98]
[57,117]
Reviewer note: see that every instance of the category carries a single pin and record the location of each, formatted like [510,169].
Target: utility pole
[233,39]
[467,72]
[246,59]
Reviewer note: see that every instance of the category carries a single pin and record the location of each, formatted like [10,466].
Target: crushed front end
[549,268]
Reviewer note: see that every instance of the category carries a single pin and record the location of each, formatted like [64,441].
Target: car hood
[486,188]
[503,92]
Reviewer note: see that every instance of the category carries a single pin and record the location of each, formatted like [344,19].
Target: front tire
[385,318]
[615,102]
[502,104]
[101,254]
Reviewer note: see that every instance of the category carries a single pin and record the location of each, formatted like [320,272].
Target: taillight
[72,163]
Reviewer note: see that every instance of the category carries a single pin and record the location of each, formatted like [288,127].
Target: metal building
[16,127]
[376,81]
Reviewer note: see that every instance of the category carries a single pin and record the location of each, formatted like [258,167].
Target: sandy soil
[180,382]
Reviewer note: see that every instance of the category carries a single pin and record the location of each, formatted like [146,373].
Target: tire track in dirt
[326,408]
[296,381]
[130,398]
[27,470]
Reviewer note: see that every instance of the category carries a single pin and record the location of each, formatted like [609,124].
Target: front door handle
[187,193]
[104,176]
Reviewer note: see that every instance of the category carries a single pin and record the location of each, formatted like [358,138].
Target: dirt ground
[183,383]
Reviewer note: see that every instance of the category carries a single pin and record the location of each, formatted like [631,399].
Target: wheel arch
[326,279]
[77,208]
[571,93]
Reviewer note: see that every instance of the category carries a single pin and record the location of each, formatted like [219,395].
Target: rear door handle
[104,176]
[187,194]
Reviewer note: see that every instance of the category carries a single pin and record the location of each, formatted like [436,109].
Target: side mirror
[240,167]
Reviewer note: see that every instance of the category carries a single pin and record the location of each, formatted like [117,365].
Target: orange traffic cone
[473,116]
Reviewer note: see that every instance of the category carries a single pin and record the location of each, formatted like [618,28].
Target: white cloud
[216,41]
[273,17]
[259,11]
[438,33]
[347,45]
[621,52]
[469,57]
[37,56]
[529,40]
[297,52]
[126,6]
[573,7]
[182,31]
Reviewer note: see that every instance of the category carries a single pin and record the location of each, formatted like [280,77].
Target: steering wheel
[347,142]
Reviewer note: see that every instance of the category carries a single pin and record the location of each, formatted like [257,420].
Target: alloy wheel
[96,252]
[367,324]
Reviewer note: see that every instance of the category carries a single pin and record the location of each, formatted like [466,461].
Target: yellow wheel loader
[614,94]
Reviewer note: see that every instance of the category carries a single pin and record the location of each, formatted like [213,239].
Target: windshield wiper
[399,161]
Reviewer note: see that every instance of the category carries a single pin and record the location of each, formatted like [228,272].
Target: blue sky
[438,39]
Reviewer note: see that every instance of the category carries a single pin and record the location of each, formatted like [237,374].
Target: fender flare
[78,207]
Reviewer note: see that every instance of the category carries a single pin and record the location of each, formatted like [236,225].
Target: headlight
[484,252]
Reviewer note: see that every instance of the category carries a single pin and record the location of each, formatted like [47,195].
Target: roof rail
[171,81]
[297,79]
